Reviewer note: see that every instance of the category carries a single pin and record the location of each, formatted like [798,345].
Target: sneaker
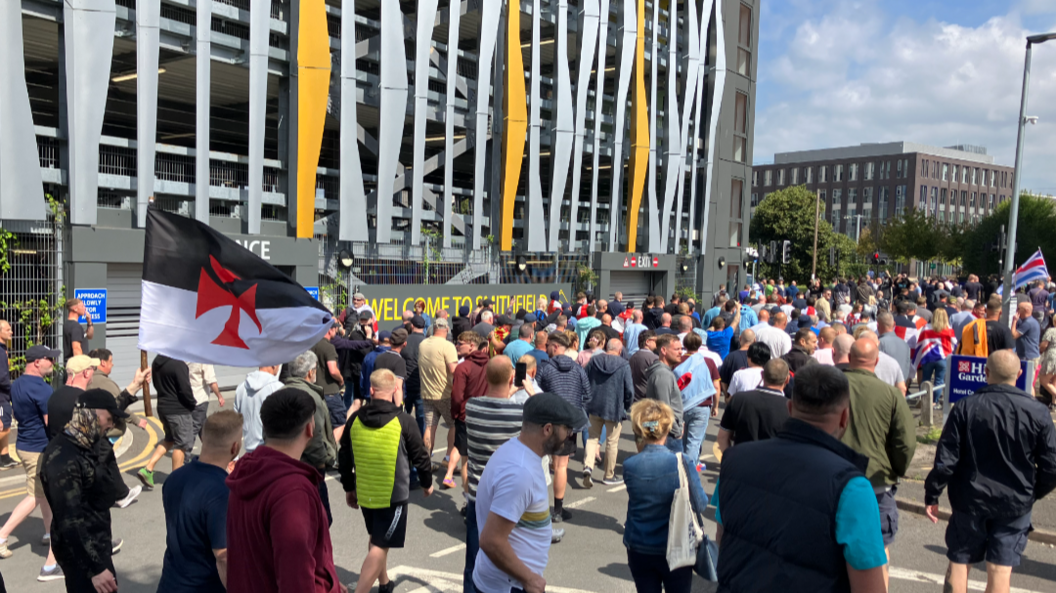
[557,517]
[46,540]
[387,588]
[147,477]
[587,481]
[8,463]
[52,574]
[132,494]
[5,552]
[557,536]
[462,511]
[613,481]
[115,545]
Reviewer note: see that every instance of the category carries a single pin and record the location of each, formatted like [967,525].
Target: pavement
[591,558]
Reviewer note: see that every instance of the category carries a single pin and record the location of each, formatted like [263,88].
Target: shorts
[198,416]
[31,463]
[179,430]
[437,408]
[569,448]
[5,414]
[338,411]
[888,515]
[461,438]
[387,527]
[971,539]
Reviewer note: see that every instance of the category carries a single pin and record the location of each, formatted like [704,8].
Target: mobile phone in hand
[521,373]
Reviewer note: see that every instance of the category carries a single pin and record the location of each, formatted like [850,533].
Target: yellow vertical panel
[515,116]
[313,88]
[639,162]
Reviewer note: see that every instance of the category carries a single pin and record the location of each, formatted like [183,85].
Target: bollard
[927,411]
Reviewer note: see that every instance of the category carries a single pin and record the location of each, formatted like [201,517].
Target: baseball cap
[418,321]
[550,408]
[486,303]
[463,311]
[38,352]
[555,295]
[398,337]
[530,318]
[366,314]
[100,399]
[80,363]
[384,335]
[504,320]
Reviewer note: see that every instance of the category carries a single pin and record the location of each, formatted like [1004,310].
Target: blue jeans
[472,547]
[414,400]
[694,429]
[674,444]
[936,373]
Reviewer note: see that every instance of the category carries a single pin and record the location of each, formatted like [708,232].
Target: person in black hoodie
[172,381]
[388,443]
[461,323]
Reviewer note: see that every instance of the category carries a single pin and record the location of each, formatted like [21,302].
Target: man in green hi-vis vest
[378,447]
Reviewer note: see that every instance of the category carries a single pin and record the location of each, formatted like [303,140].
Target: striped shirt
[490,422]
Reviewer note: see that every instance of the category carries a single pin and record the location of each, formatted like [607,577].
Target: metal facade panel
[534,228]
[259,17]
[603,35]
[21,186]
[313,92]
[148,38]
[564,128]
[639,136]
[88,57]
[673,139]
[626,42]
[353,202]
[454,18]
[694,44]
[654,146]
[393,112]
[422,48]
[203,85]
[713,125]
[515,121]
[588,41]
[489,29]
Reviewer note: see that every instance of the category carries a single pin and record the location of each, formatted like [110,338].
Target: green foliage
[335,296]
[433,241]
[34,320]
[7,241]
[586,277]
[1036,221]
[687,292]
[911,236]
[789,214]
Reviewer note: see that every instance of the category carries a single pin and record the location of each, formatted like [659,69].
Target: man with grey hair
[632,331]
[997,454]
[894,346]
[359,303]
[962,318]
[321,451]
[841,350]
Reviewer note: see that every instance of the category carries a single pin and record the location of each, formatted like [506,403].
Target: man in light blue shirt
[521,346]
[632,331]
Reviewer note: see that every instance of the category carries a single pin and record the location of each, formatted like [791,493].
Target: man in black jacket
[172,381]
[80,489]
[997,454]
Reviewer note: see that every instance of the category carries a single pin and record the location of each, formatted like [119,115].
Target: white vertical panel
[148,37]
[453,21]
[353,201]
[259,31]
[393,111]
[673,141]
[588,40]
[489,29]
[713,126]
[603,36]
[654,148]
[203,34]
[626,47]
[422,46]
[695,40]
[563,133]
[21,186]
[534,229]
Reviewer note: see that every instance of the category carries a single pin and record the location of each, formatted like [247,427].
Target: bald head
[747,339]
[614,346]
[764,316]
[841,348]
[779,320]
[1002,368]
[864,354]
[665,320]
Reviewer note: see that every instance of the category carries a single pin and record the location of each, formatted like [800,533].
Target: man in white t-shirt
[775,335]
[513,502]
[203,381]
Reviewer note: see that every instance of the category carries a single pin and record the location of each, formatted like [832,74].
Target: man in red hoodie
[278,537]
[468,381]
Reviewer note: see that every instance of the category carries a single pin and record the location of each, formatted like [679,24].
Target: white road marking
[447,551]
[579,503]
[446,582]
[938,579]
[619,488]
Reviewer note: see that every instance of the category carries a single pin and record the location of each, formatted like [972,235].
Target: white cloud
[852,76]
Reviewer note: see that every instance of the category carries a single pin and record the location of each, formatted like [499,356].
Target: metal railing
[917,394]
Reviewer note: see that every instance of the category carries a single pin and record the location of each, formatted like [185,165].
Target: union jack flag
[932,346]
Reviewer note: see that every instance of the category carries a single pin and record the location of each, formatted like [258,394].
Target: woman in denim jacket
[652,479]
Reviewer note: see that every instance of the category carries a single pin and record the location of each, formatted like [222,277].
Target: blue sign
[94,300]
[966,374]
[314,291]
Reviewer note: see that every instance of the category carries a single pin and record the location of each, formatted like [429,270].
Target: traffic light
[876,257]
[772,253]
[832,256]
[786,251]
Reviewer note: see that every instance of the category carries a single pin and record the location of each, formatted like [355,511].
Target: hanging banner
[389,301]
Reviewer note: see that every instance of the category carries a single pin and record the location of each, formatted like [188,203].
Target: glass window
[945,172]
[964,198]
[795,175]
[755,178]
[838,176]
[972,203]
[735,234]
[755,200]
[808,175]
[992,197]
[768,178]
[870,169]
[900,199]
[744,41]
[942,197]
[740,127]
[823,174]
[837,195]
[964,174]
[867,195]
[882,199]
[953,175]
[736,198]
[975,175]
[781,177]
[852,172]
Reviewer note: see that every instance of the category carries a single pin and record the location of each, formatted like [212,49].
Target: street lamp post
[1017,174]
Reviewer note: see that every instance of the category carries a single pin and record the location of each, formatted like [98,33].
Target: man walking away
[249,398]
[883,429]
[203,382]
[893,345]
[328,374]
[809,487]
[512,502]
[698,379]
[195,502]
[379,445]
[77,485]
[277,537]
[491,421]
[413,391]
[983,337]
[737,360]
[663,384]
[1027,332]
[758,414]
[640,362]
[321,451]
[437,359]
[468,382]
[997,454]
[567,379]
[611,394]
[175,403]
[6,462]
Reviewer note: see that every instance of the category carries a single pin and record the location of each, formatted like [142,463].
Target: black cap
[504,320]
[463,311]
[38,352]
[100,399]
[550,408]
[398,337]
[486,303]
[418,321]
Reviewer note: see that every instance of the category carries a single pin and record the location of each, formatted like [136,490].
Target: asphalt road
[591,557]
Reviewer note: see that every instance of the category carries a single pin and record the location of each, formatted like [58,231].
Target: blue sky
[941,72]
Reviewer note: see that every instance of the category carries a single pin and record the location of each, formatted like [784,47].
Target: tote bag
[684,533]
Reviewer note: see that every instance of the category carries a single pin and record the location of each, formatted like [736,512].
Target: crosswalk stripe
[579,503]
[447,582]
[938,579]
[619,488]
[447,551]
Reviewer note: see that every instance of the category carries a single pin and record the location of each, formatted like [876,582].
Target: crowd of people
[812,382]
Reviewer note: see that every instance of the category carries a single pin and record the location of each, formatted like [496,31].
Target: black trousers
[324,495]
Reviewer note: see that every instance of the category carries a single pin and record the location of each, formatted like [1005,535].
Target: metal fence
[31,286]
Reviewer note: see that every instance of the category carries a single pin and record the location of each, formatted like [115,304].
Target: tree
[1036,221]
[788,214]
[913,235]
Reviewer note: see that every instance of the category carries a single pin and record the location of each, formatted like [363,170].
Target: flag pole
[147,408]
